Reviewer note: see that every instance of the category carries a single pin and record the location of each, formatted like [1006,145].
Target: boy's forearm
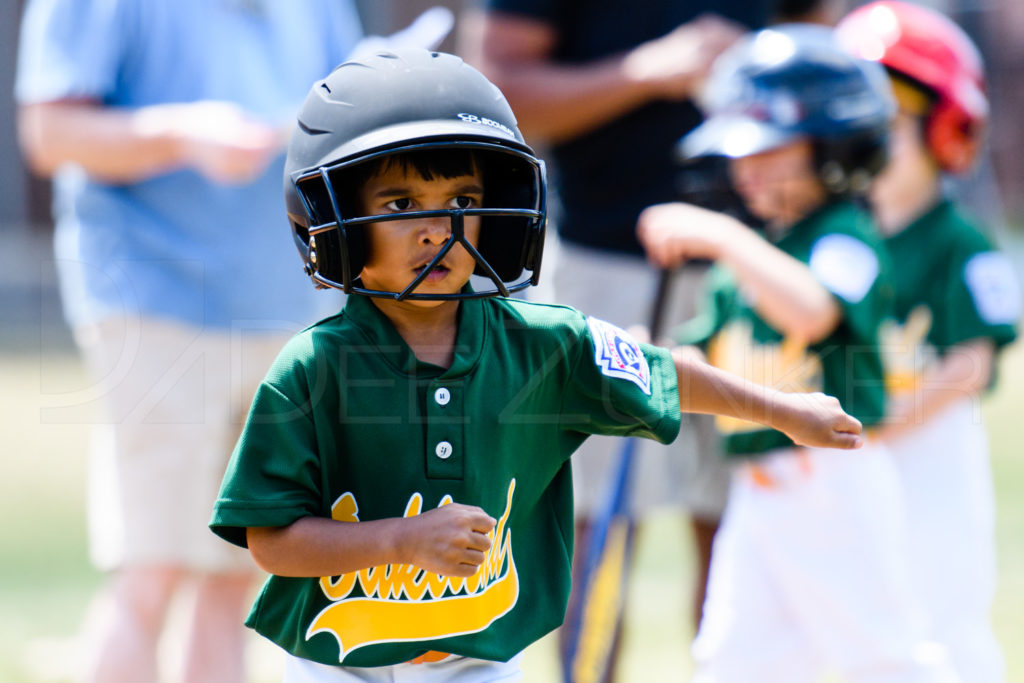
[317,546]
[963,372]
[808,419]
[706,389]
[789,297]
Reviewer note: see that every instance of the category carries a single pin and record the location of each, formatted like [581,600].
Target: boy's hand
[674,233]
[450,540]
[817,420]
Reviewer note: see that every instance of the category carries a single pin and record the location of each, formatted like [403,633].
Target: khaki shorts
[172,399]
[690,472]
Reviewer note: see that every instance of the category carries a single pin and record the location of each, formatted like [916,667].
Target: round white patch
[993,286]
[844,265]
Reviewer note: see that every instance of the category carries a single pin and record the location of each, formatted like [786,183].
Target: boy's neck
[896,214]
[428,330]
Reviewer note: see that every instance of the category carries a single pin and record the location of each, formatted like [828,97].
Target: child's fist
[451,540]
[818,420]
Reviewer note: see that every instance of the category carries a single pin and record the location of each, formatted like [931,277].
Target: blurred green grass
[46,581]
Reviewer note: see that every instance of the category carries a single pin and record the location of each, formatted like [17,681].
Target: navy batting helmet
[791,82]
[408,102]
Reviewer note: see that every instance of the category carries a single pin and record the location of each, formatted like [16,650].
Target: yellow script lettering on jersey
[399,602]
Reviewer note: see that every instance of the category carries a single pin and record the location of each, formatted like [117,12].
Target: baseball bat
[594,619]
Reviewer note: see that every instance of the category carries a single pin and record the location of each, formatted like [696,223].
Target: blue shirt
[179,246]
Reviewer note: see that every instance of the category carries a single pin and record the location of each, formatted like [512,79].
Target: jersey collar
[469,340]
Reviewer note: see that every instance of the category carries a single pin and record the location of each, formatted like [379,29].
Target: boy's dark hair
[427,164]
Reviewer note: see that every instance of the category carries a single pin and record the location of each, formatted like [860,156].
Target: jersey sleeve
[620,387]
[273,476]
[70,49]
[852,270]
[982,299]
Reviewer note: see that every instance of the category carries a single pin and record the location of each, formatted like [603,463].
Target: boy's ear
[951,137]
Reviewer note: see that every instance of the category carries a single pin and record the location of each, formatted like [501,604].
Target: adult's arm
[119,145]
[556,101]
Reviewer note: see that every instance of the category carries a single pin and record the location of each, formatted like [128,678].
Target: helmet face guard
[418,106]
[511,235]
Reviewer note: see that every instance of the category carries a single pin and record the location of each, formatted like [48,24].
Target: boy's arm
[786,294]
[808,419]
[450,540]
[963,372]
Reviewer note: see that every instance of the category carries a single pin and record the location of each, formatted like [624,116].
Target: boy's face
[399,250]
[780,185]
[909,176]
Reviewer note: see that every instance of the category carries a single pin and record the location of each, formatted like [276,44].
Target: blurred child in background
[957,303]
[808,574]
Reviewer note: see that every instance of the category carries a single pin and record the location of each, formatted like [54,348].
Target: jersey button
[443,450]
[442,396]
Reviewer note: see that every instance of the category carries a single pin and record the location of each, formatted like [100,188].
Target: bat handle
[656,317]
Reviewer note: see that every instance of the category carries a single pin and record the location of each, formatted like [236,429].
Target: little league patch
[618,355]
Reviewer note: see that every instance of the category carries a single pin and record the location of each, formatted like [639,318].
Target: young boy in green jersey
[957,304]
[808,576]
[404,474]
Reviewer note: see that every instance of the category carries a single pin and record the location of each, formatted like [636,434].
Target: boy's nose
[435,230]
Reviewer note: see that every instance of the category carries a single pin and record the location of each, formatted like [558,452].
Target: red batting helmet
[926,47]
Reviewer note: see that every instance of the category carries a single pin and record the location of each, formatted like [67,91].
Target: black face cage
[847,165]
[335,247]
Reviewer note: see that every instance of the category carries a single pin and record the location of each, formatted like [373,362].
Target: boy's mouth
[439,272]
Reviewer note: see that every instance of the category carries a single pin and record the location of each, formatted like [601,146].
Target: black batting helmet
[400,102]
[793,81]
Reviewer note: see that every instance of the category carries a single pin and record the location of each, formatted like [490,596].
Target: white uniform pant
[809,576]
[947,482]
[451,670]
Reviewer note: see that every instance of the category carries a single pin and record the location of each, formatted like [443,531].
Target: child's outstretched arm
[808,419]
[451,540]
[789,297]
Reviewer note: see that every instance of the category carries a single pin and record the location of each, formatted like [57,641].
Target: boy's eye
[463,202]
[400,204]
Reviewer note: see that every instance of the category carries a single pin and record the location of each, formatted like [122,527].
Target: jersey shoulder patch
[618,354]
[993,286]
[845,265]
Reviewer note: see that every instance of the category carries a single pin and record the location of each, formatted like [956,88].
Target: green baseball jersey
[951,286]
[350,425]
[839,244]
